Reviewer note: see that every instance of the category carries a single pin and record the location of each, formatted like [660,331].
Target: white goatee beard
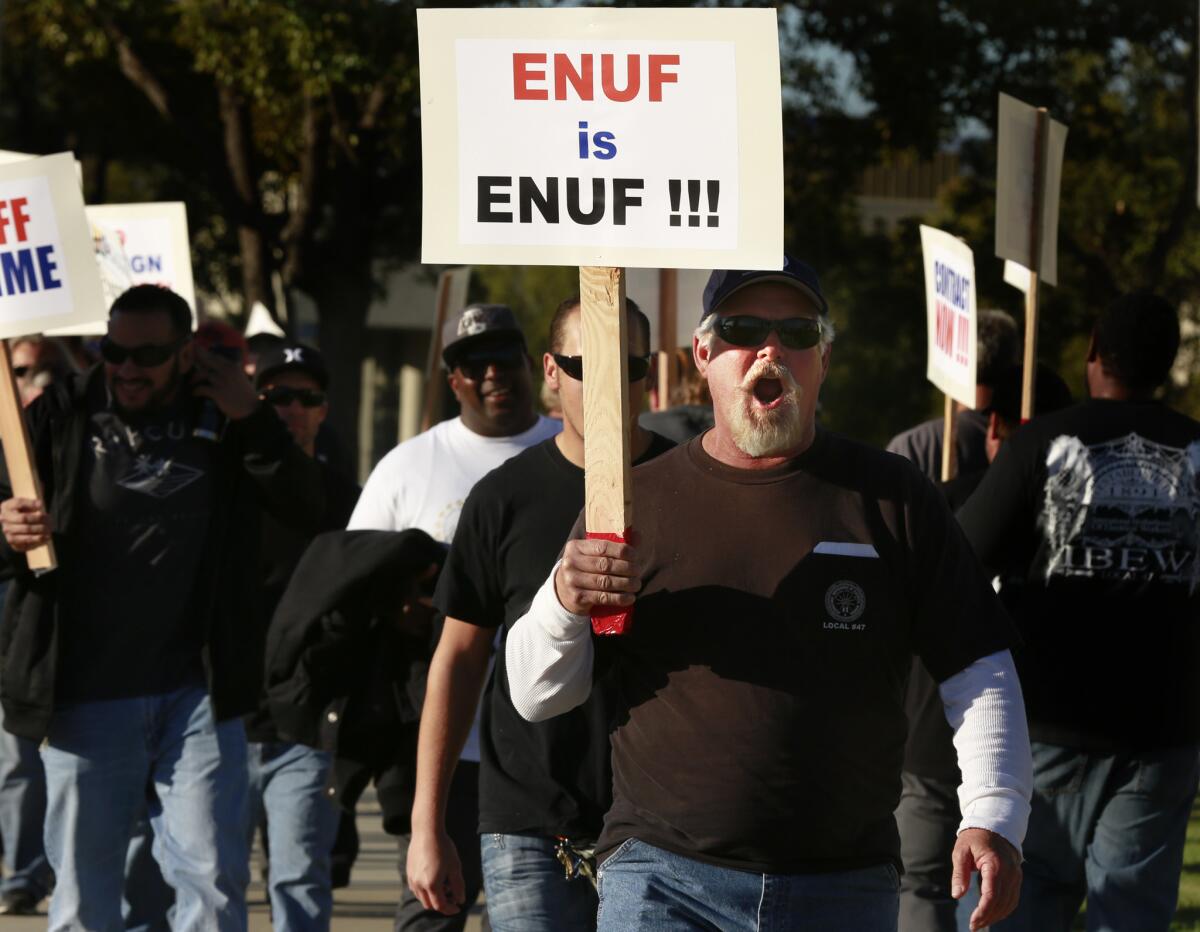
[760,433]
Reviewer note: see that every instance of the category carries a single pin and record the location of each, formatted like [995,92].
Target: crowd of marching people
[851,696]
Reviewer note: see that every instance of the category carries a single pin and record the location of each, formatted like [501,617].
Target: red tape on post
[610,619]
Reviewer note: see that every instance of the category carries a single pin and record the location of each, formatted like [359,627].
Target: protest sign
[602,137]
[48,278]
[451,298]
[1016,275]
[139,244]
[1016,180]
[951,324]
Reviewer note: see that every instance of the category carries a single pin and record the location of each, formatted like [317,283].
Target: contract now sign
[602,137]
[950,313]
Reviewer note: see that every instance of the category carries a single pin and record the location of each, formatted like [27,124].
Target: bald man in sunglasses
[134,660]
[781,579]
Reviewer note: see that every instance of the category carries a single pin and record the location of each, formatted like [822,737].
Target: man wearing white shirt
[423,483]
[784,577]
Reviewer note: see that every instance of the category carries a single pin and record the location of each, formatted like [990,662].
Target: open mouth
[768,392]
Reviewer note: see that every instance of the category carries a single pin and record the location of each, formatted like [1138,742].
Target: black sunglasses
[145,357]
[474,365]
[21,371]
[573,366]
[744,330]
[282,397]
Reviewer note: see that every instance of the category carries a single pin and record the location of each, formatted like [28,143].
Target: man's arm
[456,677]
[549,650]
[985,708]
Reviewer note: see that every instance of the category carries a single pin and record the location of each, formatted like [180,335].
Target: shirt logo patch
[845,601]
[158,478]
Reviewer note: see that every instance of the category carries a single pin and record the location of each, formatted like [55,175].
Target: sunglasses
[21,371]
[745,331]
[144,357]
[282,397]
[573,366]
[474,365]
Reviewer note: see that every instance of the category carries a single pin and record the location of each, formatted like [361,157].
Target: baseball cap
[291,356]
[724,282]
[479,323]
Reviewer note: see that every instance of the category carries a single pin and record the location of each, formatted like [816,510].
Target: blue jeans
[100,758]
[22,814]
[651,890]
[527,890]
[287,790]
[1108,827]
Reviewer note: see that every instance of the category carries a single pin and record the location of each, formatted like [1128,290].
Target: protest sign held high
[139,244]
[603,139]
[951,314]
[647,138]
[48,278]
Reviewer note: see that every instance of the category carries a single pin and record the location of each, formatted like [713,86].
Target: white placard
[139,244]
[1016,275]
[1014,186]
[950,314]
[48,276]
[610,137]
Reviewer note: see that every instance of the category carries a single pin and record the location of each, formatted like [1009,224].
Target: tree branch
[136,70]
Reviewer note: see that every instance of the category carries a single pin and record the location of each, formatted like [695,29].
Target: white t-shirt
[424,482]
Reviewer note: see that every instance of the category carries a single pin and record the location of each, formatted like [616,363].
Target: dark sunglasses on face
[475,365]
[145,357]
[282,397]
[21,371]
[573,366]
[746,331]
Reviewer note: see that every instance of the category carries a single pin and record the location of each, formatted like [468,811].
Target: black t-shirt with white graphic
[127,626]
[545,778]
[1092,517]
[761,685]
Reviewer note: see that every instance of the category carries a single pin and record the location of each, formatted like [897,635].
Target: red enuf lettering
[522,75]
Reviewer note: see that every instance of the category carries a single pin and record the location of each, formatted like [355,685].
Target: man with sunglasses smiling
[783,577]
[543,788]
[423,483]
[135,659]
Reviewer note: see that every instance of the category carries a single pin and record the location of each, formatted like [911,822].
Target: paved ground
[367,905]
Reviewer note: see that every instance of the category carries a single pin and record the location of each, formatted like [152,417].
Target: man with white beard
[783,577]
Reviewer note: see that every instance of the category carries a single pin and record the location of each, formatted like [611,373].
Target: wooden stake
[668,310]
[18,455]
[608,484]
[949,451]
[434,379]
[1035,264]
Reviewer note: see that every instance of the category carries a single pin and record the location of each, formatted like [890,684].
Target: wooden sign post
[668,312]
[1035,253]
[434,381]
[18,455]
[949,451]
[606,426]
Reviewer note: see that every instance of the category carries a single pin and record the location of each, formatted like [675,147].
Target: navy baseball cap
[294,356]
[724,282]
[479,323]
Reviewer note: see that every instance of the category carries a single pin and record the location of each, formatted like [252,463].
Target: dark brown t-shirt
[762,683]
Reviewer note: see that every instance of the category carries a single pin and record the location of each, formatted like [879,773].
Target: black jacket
[342,674]
[256,465]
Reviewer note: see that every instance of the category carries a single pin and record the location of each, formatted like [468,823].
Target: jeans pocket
[1058,771]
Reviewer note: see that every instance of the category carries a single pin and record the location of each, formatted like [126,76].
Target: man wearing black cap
[783,578]
[287,780]
[424,482]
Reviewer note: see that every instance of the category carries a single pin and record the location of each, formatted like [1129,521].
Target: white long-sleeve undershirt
[549,656]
